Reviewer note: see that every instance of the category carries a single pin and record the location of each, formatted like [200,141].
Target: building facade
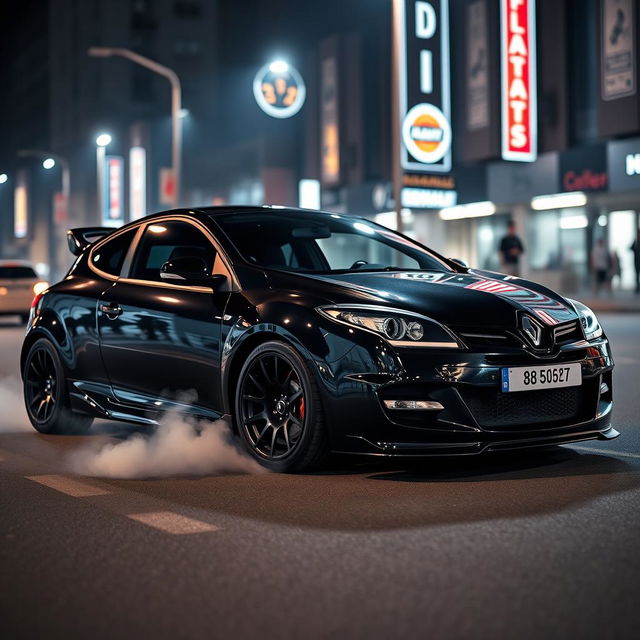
[499,105]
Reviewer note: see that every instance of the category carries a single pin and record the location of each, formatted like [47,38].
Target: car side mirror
[189,269]
[459,261]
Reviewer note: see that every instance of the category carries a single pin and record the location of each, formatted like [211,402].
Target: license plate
[541,377]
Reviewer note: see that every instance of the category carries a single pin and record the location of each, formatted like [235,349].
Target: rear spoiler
[79,239]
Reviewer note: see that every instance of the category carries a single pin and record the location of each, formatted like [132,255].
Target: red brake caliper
[302,408]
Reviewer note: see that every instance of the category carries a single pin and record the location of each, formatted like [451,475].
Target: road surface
[545,544]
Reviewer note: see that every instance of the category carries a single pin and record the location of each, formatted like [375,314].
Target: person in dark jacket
[511,248]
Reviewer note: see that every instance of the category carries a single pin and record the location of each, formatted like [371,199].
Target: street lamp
[102,141]
[176,101]
[50,160]
[57,254]
[3,178]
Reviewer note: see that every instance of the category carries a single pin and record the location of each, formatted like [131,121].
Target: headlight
[590,324]
[399,328]
[39,287]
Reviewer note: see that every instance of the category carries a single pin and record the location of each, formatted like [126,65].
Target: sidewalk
[615,302]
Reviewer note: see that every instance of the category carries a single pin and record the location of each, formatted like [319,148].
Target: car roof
[201,212]
[15,263]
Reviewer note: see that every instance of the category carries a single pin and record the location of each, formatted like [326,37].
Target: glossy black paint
[133,349]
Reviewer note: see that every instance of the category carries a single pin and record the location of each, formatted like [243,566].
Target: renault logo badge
[532,329]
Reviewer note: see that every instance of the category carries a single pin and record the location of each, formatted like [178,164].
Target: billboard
[618,49]
[21,206]
[329,122]
[425,96]
[137,183]
[477,66]
[279,89]
[519,90]
[113,192]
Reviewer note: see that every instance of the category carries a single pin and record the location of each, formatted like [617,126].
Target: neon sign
[519,99]
[425,101]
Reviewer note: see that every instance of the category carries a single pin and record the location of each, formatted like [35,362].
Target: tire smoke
[180,446]
[13,415]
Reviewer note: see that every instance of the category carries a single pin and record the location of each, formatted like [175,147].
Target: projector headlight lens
[398,327]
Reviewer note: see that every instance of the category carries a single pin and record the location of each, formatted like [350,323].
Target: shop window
[622,232]
[544,240]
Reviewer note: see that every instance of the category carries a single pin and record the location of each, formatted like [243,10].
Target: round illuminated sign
[279,90]
[426,133]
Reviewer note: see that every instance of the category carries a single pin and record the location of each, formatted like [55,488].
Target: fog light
[420,405]
[604,388]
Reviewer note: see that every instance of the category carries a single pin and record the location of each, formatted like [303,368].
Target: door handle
[112,311]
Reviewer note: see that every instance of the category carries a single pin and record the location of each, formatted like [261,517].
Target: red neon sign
[519,100]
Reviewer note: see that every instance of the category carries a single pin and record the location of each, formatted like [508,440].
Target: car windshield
[14,272]
[321,243]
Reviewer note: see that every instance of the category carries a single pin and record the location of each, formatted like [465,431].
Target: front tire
[45,393]
[278,410]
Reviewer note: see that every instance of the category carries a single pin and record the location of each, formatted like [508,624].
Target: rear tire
[278,410]
[45,392]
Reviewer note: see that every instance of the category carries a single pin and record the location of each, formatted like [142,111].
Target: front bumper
[477,416]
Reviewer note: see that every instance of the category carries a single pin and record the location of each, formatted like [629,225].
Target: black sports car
[317,332]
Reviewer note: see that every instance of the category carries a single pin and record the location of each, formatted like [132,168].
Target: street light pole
[56,247]
[63,162]
[176,103]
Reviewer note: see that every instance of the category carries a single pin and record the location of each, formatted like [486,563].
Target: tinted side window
[8,273]
[163,241]
[110,256]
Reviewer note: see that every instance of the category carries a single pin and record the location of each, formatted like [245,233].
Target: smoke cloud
[13,415]
[179,447]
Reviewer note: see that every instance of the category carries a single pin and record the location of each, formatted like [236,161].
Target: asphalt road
[513,546]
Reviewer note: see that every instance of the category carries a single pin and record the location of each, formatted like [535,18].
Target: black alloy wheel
[278,411]
[41,386]
[45,395]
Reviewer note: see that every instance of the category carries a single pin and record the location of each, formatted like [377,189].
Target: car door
[160,341]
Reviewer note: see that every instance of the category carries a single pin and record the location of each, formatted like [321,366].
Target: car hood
[477,298]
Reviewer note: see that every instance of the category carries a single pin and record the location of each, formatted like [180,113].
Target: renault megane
[315,332]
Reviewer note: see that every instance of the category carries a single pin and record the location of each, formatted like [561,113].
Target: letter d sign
[426,21]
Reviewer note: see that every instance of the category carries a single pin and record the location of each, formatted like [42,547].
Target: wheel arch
[253,339]
[41,331]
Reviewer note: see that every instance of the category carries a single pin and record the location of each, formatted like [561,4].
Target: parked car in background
[19,284]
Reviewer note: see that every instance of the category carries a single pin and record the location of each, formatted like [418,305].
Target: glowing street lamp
[3,178]
[176,103]
[61,202]
[103,140]
[279,66]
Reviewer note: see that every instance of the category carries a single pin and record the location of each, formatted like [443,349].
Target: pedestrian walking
[510,249]
[601,266]
[635,247]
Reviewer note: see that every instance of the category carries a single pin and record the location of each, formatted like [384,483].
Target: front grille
[494,409]
[478,337]
[566,333]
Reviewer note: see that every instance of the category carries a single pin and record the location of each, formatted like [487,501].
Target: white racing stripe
[610,452]
[68,485]
[173,523]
